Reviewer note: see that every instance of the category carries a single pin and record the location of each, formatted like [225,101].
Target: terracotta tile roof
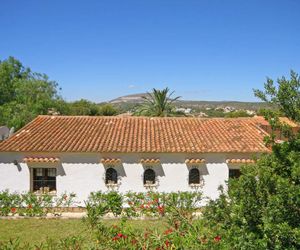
[194,161]
[33,159]
[137,134]
[110,161]
[238,161]
[150,161]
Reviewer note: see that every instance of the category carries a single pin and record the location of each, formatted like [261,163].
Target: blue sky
[204,50]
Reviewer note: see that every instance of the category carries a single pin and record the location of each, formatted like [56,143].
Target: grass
[36,231]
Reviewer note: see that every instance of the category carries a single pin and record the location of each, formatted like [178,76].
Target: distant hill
[130,100]
[135,98]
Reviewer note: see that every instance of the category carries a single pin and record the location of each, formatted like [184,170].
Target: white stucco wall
[83,173]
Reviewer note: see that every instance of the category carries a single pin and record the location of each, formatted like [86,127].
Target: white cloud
[131,86]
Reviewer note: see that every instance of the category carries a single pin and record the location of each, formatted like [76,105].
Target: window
[44,179]
[194,176]
[234,173]
[149,177]
[111,176]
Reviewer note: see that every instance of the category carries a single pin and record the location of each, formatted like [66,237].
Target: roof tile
[137,134]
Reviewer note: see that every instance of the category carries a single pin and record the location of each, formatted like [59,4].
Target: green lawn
[35,231]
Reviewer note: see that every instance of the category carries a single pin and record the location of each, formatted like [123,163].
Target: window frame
[114,171]
[153,182]
[234,176]
[47,181]
[199,176]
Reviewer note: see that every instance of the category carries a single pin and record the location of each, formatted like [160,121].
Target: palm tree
[158,103]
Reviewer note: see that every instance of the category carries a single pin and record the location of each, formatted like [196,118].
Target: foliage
[30,204]
[182,230]
[83,107]
[261,208]
[9,203]
[24,94]
[285,95]
[36,231]
[238,113]
[131,204]
[108,110]
[72,243]
[158,103]
[149,204]
[99,204]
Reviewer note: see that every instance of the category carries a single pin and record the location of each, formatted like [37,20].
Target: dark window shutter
[149,176]
[194,176]
[111,175]
[234,173]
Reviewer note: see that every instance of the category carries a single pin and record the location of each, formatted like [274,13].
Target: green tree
[24,94]
[158,103]
[84,107]
[261,208]
[238,113]
[284,95]
[11,72]
[108,110]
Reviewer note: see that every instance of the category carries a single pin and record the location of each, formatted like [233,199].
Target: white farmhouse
[84,154]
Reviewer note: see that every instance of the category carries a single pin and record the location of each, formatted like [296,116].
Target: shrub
[9,203]
[30,204]
[99,204]
[261,209]
[153,204]
[72,243]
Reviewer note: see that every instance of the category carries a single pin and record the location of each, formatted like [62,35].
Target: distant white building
[202,114]
[250,112]
[228,109]
[184,110]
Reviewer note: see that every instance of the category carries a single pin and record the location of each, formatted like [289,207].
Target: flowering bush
[63,202]
[149,204]
[99,204]
[184,230]
[29,204]
[9,203]
[182,233]
[153,204]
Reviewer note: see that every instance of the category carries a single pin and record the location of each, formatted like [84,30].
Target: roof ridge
[145,117]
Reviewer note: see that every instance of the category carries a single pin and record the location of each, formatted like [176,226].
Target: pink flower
[119,236]
[161,209]
[13,210]
[217,238]
[168,231]
[167,243]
